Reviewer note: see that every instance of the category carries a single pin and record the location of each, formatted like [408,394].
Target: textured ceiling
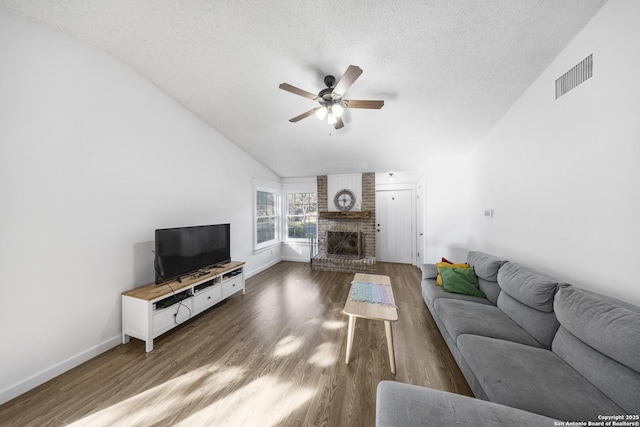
[446,69]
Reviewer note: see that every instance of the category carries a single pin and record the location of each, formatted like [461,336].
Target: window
[266,216]
[302,215]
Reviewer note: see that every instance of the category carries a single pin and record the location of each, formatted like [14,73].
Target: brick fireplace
[346,239]
[346,243]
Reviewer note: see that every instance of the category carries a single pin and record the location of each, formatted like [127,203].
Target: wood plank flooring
[272,357]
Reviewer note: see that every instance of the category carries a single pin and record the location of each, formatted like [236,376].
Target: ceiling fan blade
[293,89]
[354,103]
[347,79]
[304,115]
[339,123]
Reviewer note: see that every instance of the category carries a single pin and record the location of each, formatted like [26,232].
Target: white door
[419,227]
[394,237]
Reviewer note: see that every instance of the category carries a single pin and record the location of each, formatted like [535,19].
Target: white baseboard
[44,376]
[272,263]
[296,259]
[248,274]
[50,373]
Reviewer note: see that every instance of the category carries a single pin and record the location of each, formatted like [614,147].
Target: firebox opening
[345,243]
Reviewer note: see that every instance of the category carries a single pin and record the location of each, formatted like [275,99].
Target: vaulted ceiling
[446,69]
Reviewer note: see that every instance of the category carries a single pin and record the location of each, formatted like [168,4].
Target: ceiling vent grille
[575,76]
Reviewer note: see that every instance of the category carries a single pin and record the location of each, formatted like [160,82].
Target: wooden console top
[152,291]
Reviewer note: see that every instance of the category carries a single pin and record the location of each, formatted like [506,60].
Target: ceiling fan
[330,99]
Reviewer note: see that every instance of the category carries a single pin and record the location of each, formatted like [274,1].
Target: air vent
[575,76]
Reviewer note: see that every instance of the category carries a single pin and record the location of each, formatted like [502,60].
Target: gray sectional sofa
[533,350]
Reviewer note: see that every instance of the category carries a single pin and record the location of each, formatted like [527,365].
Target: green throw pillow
[461,281]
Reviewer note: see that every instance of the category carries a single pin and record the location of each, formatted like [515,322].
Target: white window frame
[285,215]
[277,217]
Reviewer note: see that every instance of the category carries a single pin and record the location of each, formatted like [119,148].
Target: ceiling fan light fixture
[321,113]
[330,98]
[337,110]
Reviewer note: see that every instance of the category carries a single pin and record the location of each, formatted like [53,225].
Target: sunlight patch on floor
[151,406]
[288,345]
[298,299]
[312,322]
[325,355]
[264,402]
[333,324]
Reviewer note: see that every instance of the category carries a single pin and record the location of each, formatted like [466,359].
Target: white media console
[151,310]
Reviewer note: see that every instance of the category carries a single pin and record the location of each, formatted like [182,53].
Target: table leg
[392,356]
[352,326]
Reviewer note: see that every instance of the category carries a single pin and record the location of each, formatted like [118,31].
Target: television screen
[185,250]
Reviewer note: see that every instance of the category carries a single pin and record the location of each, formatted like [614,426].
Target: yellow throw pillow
[448,265]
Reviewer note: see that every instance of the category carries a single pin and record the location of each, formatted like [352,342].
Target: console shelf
[151,310]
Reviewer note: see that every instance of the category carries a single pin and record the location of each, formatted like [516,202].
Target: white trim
[285,213]
[297,240]
[294,259]
[262,268]
[266,246]
[52,372]
[261,182]
[296,185]
[307,181]
[277,191]
[393,186]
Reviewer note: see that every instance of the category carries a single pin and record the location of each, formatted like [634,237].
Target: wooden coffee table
[373,311]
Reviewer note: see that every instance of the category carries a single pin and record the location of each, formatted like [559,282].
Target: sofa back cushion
[540,325]
[600,338]
[527,298]
[532,289]
[608,325]
[486,267]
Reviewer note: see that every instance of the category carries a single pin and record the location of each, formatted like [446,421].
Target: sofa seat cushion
[466,317]
[408,405]
[533,379]
[432,292]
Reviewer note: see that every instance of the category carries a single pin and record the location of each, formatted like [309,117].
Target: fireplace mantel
[345,215]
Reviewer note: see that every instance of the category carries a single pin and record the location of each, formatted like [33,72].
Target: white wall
[563,176]
[447,200]
[93,158]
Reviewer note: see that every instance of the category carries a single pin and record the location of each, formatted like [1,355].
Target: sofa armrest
[429,271]
[405,405]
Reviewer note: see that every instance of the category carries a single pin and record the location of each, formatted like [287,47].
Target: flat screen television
[186,250]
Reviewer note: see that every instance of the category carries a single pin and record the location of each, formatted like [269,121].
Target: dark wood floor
[272,357]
